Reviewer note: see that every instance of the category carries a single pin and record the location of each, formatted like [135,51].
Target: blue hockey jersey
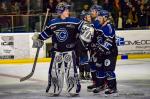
[63,32]
[105,39]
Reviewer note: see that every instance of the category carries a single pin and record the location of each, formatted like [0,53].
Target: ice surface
[133,78]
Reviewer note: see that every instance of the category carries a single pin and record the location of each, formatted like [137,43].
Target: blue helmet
[104,13]
[96,8]
[61,7]
[83,14]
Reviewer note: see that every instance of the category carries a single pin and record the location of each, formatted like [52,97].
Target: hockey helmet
[96,8]
[61,7]
[83,14]
[104,13]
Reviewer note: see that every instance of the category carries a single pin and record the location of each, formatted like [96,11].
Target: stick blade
[26,77]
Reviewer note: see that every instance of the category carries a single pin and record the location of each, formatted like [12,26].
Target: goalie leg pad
[71,75]
[56,74]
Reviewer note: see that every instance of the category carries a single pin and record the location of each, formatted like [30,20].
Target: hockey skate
[90,88]
[99,90]
[87,76]
[82,76]
[111,92]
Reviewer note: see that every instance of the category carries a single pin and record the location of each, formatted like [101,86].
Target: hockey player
[83,51]
[106,53]
[63,31]
[94,13]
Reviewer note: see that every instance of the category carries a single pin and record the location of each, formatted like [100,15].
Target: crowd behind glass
[126,14]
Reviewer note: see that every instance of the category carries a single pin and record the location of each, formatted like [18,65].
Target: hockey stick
[33,68]
[36,56]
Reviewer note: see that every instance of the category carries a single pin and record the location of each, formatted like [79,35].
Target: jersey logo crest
[61,34]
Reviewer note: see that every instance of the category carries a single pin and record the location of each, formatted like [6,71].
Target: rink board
[17,47]
[120,57]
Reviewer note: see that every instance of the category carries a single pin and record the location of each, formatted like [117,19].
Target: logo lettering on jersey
[107,62]
[61,34]
[99,40]
[120,41]
[70,26]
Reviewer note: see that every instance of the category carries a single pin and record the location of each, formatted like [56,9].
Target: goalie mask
[61,7]
[87,32]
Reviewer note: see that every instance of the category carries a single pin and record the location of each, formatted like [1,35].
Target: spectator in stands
[85,8]
[115,11]
[107,5]
[117,4]
[111,19]
[3,8]
[51,6]
[23,6]
[119,21]
[148,12]
[58,1]
[95,2]
[70,2]
[129,20]
[35,7]
[134,17]
[15,7]
[125,8]
[141,14]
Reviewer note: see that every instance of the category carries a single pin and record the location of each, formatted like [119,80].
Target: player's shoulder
[109,25]
[108,30]
[73,20]
[96,24]
[53,21]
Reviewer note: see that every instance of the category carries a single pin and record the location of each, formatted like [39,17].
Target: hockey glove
[37,43]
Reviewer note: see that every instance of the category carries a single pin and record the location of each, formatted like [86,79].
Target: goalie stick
[36,56]
[33,68]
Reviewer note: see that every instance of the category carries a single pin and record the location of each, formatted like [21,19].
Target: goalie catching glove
[37,43]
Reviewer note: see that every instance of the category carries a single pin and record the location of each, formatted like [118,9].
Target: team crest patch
[67,58]
[107,62]
[61,34]
[58,58]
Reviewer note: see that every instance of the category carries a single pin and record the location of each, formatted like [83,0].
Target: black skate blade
[90,90]
[52,95]
[112,95]
[101,93]
[73,94]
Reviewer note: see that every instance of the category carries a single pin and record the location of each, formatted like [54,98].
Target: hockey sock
[87,68]
[99,82]
[93,74]
[112,84]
